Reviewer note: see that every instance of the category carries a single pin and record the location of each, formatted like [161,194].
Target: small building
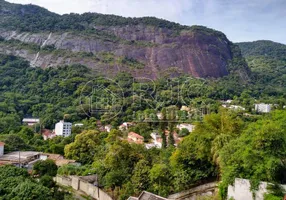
[147,196]
[135,138]
[48,134]
[125,126]
[20,158]
[156,139]
[63,129]
[189,127]
[79,124]
[160,116]
[107,128]
[185,108]
[237,108]
[58,159]
[31,121]
[2,144]
[263,108]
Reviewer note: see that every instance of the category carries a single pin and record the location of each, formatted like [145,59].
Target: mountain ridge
[109,44]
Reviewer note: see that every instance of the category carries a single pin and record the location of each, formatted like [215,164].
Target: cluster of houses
[157,140]
[62,128]
[259,108]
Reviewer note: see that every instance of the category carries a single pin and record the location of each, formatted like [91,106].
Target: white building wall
[263,108]
[241,190]
[1,150]
[63,129]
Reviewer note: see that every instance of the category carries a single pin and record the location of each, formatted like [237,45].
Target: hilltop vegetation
[264,48]
[52,93]
[34,18]
[267,61]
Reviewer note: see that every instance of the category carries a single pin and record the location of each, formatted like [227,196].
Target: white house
[157,140]
[31,121]
[63,128]
[79,125]
[235,107]
[190,127]
[160,115]
[263,108]
[2,144]
[125,126]
[107,128]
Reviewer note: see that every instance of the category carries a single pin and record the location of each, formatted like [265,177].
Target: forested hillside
[267,61]
[52,93]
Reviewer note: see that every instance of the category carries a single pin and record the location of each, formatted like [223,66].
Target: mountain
[145,47]
[264,48]
[267,61]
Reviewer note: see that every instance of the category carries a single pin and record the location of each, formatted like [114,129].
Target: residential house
[48,134]
[63,128]
[27,159]
[156,139]
[147,196]
[160,116]
[58,159]
[263,108]
[125,126]
[190,127]
[185,108]
[79,124]
[107,128]
[31,121]
[135,138]
[237,108]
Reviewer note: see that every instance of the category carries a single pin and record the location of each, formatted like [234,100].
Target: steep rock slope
[146,47]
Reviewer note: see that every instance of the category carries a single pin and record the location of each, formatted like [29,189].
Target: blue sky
[240,20]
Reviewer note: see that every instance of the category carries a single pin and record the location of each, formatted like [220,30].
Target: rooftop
[35,120]
[23,156]
[150,196]
[135,135]
[2,143]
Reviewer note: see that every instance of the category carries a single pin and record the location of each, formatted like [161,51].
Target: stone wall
[80,185]
[206,190]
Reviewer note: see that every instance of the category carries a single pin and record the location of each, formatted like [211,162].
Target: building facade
[63,129]
[31,121]
[263,108]
[2,144]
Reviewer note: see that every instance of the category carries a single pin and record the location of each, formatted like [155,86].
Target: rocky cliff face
[141,49]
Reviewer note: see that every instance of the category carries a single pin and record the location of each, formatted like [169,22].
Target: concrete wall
[78,184]
[206,190]
[241,190]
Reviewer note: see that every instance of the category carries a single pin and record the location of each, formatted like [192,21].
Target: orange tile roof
[2,143]
[64,162]
[135,135]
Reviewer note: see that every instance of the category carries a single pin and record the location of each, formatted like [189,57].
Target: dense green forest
[267,61]
[17,183]
[206,154]
[52,93]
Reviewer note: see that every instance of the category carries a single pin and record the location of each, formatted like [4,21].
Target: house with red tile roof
[135,138]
